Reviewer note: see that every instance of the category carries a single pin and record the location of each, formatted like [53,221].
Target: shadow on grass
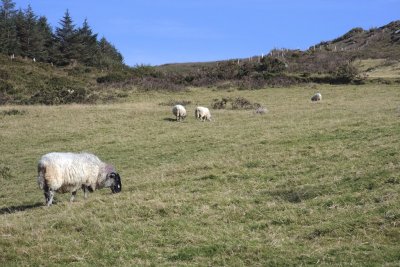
[172,120]
[13,209]
[169,119]
[297,195]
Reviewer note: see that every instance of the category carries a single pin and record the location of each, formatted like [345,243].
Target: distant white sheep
[69,172]
[202,113]
[261,110]
[316,97]
[180,112]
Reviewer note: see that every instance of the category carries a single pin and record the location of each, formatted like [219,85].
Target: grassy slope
[379,68]
[305,183]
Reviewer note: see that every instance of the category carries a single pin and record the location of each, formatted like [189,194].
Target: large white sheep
[69,172]
[202,113]
[316,97]
[180,112]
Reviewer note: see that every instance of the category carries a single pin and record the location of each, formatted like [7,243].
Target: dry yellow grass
[379,68]
[304,184]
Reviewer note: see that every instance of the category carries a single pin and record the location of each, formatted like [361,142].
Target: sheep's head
[114,182]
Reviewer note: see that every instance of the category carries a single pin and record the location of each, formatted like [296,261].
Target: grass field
[304,184]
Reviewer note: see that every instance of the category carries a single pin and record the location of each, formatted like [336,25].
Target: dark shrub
[219,104]
[140,71]
[346,73]
[283,80]
[13,112]
[58,96]
[155,84]
[79,70]
[255,81]
[4,74]
[237,103]
[4,99]
[271,65]
[243,71]
[114,77]
[243,103]
[6,87]
[59,91]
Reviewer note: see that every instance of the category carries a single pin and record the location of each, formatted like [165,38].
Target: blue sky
[168,31]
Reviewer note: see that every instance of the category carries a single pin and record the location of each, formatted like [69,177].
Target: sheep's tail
[41,175]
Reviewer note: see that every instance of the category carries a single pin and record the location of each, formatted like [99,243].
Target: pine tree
[66,41]
[88,44]
[46,45]
[8,33]
[22,33]
[27,32]
[108,55]
[19,21]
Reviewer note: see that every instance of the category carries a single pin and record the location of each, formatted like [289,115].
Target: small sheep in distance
[63,172]
[180,112]
[202,113]
[316,97]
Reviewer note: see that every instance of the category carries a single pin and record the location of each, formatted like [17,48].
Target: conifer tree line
[23,33]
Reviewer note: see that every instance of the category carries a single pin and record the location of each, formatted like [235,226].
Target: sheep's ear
[114,176]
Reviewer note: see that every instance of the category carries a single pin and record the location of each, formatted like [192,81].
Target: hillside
[358,57]
[382,42]
[357,44]
[23,81]
[325,58]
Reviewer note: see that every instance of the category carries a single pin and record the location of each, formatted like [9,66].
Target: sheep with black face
[64,172]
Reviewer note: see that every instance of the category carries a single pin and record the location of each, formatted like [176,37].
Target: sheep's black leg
[86,189]
[48,194]
[72,196]
[51,193]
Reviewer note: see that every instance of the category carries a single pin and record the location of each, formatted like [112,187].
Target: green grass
[304,184]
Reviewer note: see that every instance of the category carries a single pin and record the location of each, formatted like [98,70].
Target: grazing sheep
[180,112]
[316,97]
[68,172]
[261,110]
[202,113]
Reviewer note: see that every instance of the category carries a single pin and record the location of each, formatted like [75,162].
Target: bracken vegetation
[234,103]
